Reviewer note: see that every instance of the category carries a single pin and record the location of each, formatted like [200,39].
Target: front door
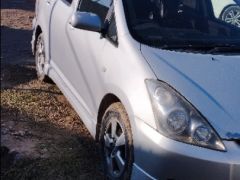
[87,48]
[64,57]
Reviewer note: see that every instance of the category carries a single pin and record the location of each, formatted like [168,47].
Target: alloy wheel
[115,147]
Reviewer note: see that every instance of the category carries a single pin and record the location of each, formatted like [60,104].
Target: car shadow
[16,46]
[18,4]
[14,75]
[61,153]
[17,61]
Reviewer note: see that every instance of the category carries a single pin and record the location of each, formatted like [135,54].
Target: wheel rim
[40,56]
[115,148]
[233,16]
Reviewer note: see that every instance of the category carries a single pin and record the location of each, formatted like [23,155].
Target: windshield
[184,23]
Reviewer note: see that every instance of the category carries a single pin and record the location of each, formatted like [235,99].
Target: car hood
[210,82]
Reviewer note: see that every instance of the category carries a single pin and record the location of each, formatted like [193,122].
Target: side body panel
[86,68]
[87,50]
[65,61]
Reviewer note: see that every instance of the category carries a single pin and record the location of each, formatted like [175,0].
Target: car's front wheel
[116,143]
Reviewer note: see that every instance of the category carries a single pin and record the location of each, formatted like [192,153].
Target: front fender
[33,41]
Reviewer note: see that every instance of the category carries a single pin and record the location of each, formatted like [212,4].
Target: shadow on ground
[16,46]
[18,4]
[61,153]
[14,75]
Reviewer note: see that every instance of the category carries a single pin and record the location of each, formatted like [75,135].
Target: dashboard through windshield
[184,23]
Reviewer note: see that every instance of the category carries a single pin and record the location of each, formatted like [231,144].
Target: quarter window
[112,30]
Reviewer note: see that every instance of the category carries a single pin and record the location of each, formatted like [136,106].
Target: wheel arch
[225,8]
[38,31]
[107,100]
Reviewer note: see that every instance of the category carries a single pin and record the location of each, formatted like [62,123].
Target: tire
[40,59]
[230,15]
[116,144]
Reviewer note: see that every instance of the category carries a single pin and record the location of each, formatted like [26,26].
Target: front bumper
[158,157]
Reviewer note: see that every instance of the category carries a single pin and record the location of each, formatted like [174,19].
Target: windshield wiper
[226,49]
[185,47]
[206,48]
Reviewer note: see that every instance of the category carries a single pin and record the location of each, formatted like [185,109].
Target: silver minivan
[156,82]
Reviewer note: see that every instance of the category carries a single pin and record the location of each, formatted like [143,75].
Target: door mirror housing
[86,21]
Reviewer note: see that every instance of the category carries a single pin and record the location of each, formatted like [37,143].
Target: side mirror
[86,21]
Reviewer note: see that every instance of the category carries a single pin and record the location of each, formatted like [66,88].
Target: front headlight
[178,119]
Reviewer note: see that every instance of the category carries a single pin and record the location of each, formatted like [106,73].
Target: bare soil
[42,137]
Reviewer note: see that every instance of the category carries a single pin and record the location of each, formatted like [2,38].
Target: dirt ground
[41,135]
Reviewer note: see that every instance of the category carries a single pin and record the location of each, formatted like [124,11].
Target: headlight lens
[178,119]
